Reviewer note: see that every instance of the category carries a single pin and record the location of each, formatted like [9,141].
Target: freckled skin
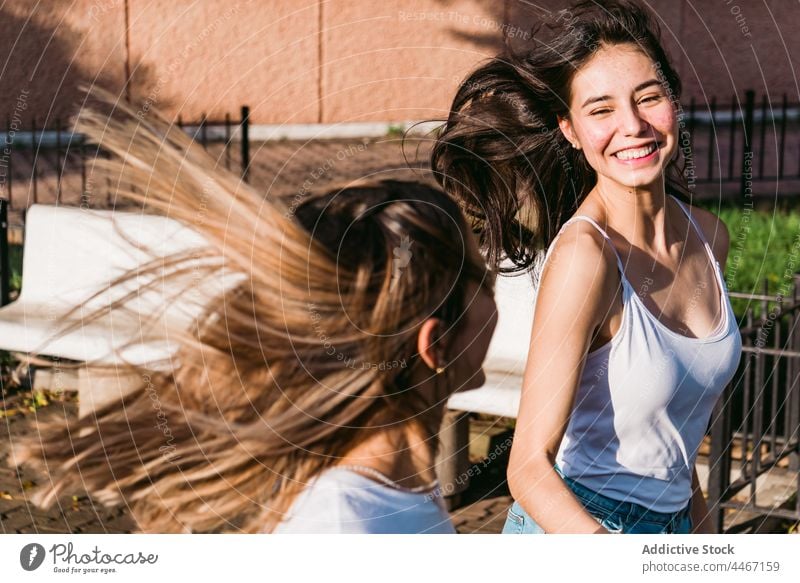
[627,118]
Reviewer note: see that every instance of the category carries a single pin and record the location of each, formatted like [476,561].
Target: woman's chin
[476,382]
[639,182]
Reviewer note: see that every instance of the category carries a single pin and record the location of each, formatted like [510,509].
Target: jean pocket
[611,522]
[514,523]
[518,522]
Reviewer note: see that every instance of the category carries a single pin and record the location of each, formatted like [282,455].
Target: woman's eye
[650,99]
[600,111]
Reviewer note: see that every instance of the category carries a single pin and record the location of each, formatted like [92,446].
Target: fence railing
[55,151]
[755,427]
[742,142]
[5,263]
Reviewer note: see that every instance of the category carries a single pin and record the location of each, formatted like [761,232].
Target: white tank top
[645,399]
[343,501]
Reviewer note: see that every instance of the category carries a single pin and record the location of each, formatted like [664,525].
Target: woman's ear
[566,128]
[429,343]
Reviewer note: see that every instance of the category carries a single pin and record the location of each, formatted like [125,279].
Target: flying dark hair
[501,153]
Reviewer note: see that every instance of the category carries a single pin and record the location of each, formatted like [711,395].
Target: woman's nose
[632,123]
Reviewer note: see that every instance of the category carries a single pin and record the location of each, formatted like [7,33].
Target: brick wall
[307,61]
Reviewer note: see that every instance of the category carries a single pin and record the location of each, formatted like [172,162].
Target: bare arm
[576,290]
[701,519]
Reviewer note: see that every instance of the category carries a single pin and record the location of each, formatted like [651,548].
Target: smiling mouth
[636,153]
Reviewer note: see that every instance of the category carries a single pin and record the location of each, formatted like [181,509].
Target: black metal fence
[742,144]
[30,153]
[755,428]
[5,264]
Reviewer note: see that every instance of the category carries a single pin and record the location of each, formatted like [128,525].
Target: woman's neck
[638,215]
[403,455]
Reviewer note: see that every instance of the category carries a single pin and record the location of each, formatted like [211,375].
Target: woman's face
[469,348]
[459,347]
[622,118]
[474,332]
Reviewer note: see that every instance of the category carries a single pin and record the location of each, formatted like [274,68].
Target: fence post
[10,168]
[245,128]
[5,271]
[793,398]
[747,147]
[719,459]
[34,173]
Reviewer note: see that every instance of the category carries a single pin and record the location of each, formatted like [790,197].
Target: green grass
[395,131]
[765,245]
[15,263]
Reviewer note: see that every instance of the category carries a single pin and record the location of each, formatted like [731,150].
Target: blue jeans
[615,516]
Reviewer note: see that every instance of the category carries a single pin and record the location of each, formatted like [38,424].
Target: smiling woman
[566,158]
[620,116]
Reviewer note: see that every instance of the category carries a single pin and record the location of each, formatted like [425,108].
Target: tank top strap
[697,230]
[592,222]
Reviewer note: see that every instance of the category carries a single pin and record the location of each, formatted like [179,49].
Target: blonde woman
[307,399]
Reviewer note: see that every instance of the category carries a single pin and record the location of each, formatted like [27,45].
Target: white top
[644,402]
[343,501]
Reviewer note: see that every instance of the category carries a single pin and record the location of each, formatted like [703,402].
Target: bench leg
[98,387]
[55,379]
[452,461]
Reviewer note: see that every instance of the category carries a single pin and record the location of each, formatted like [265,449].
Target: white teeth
[634,153]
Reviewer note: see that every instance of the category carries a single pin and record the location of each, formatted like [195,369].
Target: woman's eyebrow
[646,84]
[596,99]
[639,87]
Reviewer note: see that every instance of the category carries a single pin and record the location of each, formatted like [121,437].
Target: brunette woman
[569,153]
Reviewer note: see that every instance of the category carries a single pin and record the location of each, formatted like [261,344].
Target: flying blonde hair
[311,352]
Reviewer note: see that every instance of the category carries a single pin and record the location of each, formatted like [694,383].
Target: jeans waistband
[632,511]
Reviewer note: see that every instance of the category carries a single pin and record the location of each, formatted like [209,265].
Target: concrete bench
[70,255]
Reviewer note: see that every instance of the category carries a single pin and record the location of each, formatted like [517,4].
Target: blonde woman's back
[343,501]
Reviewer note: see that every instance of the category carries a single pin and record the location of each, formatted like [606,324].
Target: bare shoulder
[714,230]
[581,272]
[582,245]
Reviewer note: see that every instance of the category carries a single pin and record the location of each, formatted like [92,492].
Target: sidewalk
[483,508]
[75,512]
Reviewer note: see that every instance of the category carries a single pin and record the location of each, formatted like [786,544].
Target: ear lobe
[565,125]
[429,343]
